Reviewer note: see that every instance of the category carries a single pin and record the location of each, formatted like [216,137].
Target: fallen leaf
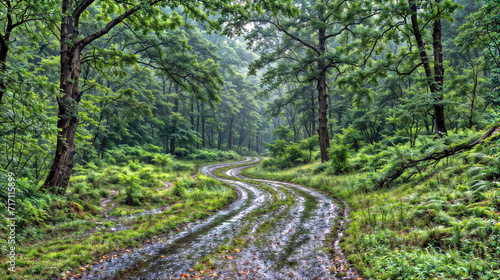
[336,259]
[191,269]
[82,268]
[162,256]
[128,251]
[291,229]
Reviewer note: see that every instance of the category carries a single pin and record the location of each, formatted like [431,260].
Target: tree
[310,145]
[15,14]
[298,43]
[142,15]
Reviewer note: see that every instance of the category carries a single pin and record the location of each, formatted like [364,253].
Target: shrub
[178,190]
[134,165]
[132,194]
[181,152]
[162,160]
[339,155]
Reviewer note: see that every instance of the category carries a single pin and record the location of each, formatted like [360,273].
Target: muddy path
[274,230]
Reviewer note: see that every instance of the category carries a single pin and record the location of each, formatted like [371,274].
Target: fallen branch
[437,156]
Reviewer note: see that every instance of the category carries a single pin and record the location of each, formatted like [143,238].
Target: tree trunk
[438,76]
[203,125]
[324,141]
[4,51]
[176,98]
[172,146]
[230,136]
[435,81]
[62,166]
[71,48]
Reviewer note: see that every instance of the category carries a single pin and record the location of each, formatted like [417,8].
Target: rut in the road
[282,231]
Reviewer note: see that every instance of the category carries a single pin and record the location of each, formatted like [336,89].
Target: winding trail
[285,242]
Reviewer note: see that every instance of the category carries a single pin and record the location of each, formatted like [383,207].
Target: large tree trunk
[438,77]
[4,51]
[324,141]
[435,81]
[172,146]
[62,166]
[71,48]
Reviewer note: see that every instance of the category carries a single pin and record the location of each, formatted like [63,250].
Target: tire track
[285,242]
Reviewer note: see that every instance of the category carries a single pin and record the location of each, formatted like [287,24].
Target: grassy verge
[441,222]
[80,228]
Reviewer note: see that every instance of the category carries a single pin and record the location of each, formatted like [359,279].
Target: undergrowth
[48,225]
[436,222]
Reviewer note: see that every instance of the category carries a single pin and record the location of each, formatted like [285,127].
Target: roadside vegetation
[133,197]
[438,220]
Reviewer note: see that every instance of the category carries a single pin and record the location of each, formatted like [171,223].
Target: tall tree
[15,14]
[299,42]
[143,15]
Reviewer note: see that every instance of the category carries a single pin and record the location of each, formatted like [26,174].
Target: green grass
[66,240]
[440,223]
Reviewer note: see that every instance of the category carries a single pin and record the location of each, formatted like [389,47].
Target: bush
[339,156]
[181,152]
[162,160]
[132,195]
[92,179]
[179,166]
[134,165]
[178,190]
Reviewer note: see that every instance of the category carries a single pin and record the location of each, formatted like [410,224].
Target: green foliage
[438,221]
[162,160]
[339,156]
[286,154]
[131,194]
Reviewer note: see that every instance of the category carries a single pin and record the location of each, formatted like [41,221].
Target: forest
[260,139]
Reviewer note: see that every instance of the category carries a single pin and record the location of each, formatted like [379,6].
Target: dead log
[437,156]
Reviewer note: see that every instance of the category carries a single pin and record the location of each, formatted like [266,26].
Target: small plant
[339,155]
[132,189]
[134,165]
[162,160]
